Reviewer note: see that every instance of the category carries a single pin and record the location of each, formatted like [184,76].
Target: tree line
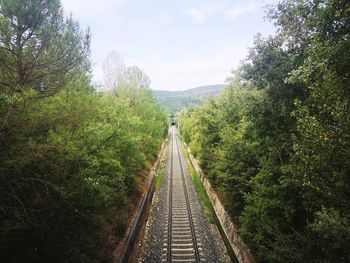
[276,143]
[71,157]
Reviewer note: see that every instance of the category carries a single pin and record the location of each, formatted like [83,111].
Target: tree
[281,164]
[137,78]
[113,71]
[70,157]
[39,48]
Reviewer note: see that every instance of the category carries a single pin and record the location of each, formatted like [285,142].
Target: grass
[201,192]
[203,196]
[159,178]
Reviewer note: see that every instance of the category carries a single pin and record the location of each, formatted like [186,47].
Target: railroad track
[181,244]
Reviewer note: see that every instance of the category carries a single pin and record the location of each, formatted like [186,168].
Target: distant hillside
[174,101]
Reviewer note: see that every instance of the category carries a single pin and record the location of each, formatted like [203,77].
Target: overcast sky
[180,44]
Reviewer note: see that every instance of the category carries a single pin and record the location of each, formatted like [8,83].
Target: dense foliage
[276,144]
[70,157]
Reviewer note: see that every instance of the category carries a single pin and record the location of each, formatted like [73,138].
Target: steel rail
[194,238]
[170,223]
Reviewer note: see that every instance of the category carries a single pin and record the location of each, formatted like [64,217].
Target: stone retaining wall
[242,252]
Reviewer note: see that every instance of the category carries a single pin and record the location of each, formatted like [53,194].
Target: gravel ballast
[151,242]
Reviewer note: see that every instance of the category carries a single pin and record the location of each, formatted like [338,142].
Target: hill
[174,101]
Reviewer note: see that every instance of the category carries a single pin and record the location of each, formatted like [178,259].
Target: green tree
[71,158]
[39,48]
[278,137]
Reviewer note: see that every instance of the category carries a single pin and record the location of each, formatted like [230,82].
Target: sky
[180,44]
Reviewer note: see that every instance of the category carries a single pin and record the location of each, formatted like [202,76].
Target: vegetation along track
[181,244]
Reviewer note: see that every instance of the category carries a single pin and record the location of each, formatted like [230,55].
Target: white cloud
[239,10]
[225,9]
[189,71]
[144,33]
[199,15]
[86,8]
[196,15]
